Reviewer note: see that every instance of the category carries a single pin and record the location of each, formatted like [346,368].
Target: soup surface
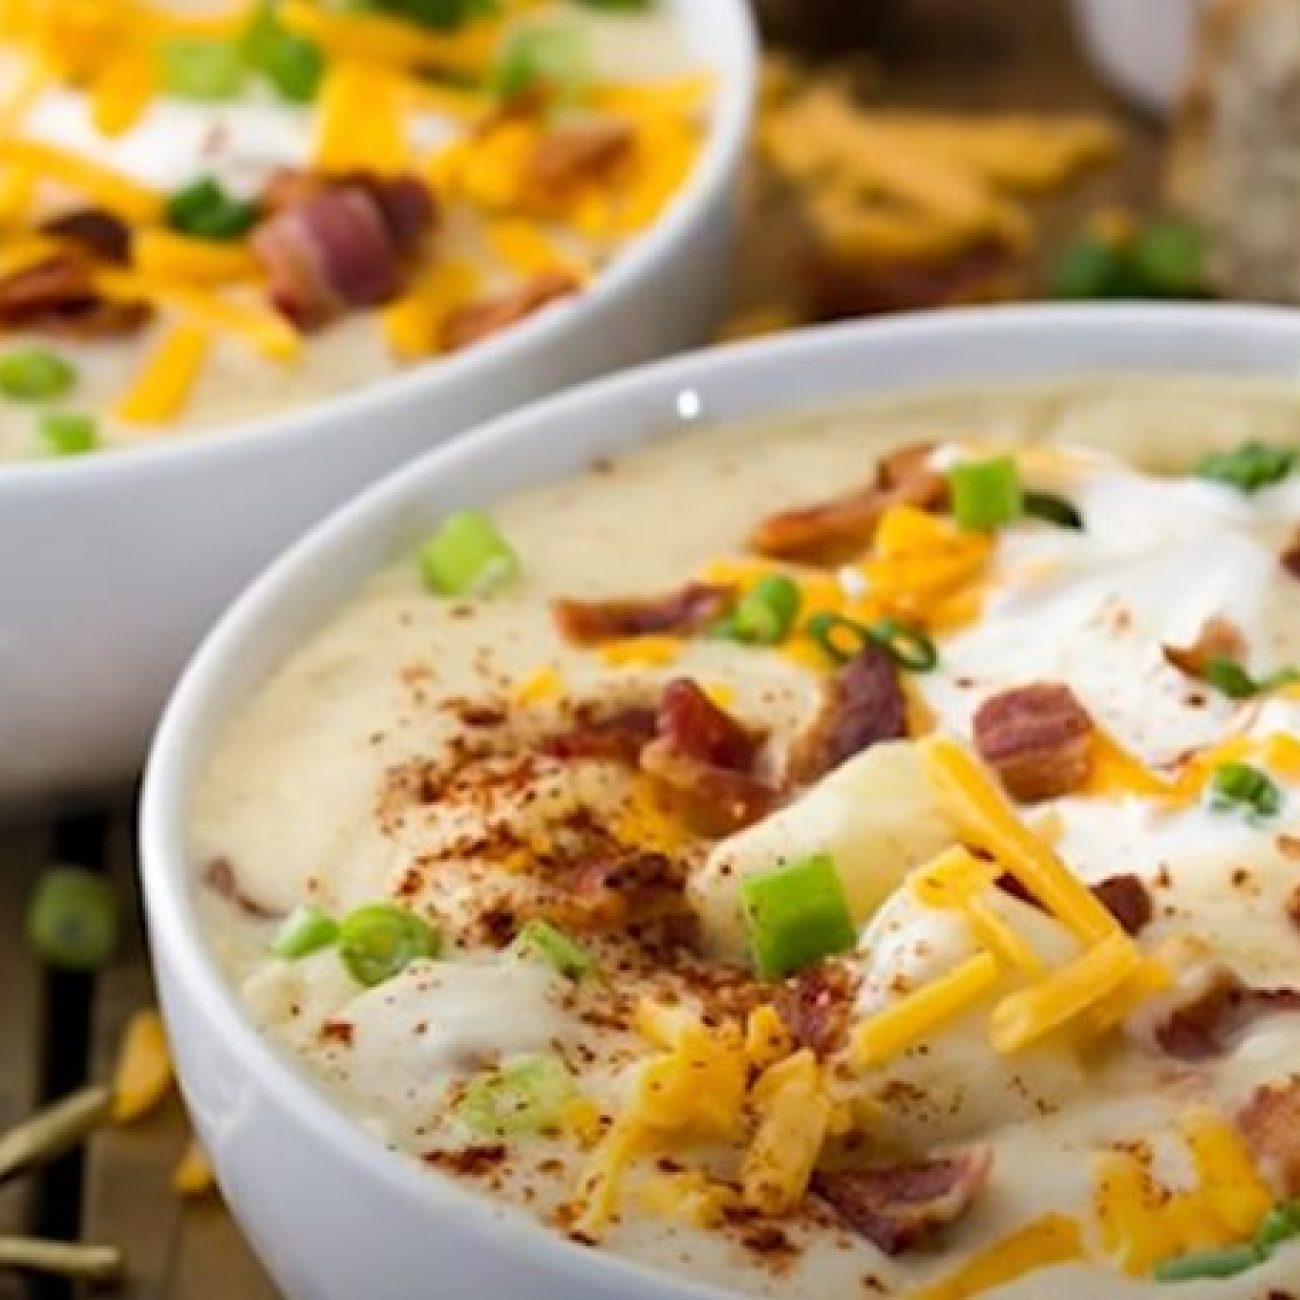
[851,856]
[224,211]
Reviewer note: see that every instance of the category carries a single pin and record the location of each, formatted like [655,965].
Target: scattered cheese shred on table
[193,1176]
[143,1076]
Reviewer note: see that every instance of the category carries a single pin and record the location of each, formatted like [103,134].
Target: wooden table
[58,1031]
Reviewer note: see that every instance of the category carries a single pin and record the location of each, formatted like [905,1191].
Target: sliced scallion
[986,494]
[795,915]
[548,942]
[1209,1264]
[291,63]
[1244,788]
[1248,468]
[467,556]
[521,1099]
[766,613]
[552,59]
[205,211]
[68,433]
[1052,509]
[306,930]
[844,638]
[202,70]
[35,374]
[380,940]
[72,919]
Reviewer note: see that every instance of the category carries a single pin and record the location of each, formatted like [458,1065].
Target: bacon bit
[618,738]
[703,761]
[342,1032]
[1293,906]
[469,1162]
[566,159]
[627,889]
[58,294]
[679,613]
[1128,900]
[1270,1123]
[480,320]
[816,1004]
[901,1207]
[1219,638]
[863,705]
[96,231]
[1290,556]
[835,531]
[1205,1027]
[1038,738]
[221,879]
[331,246]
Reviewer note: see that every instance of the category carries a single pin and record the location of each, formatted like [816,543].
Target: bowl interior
[551,440]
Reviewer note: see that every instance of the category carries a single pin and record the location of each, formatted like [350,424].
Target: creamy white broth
[300,799]
[242,145]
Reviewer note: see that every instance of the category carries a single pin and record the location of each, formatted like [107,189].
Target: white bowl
[334,1215]
[112,567]
[1144,48]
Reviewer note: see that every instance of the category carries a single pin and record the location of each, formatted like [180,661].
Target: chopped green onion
[1168,259]
[1281,1224]
[443,15]
[556,949]
[35,375]
[765,614]
[291,63]
[381,940]
[1231,678]
[1250,467]
[1240,786]
[206,211]
[795,915]
[552,58]
[306,930]
[203,70]
[1052,509]
[1209,1264]
[618,6]
[1089,268]
[843,638]
[72,920]
[986,494]
[67,433]
[527,1097]
[467,556]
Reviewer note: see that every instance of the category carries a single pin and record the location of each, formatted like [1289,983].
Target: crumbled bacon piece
[622,889]
[480,320]
[1270,1123]
[679,613]
[95,231]
[816,1004]
[1128,900]
[1219,638]
[1290,556]
[616,738]
[1222,1008]
[572,156]
[58,294]
[900,1207]
[834,531]
[1038,738]
[702,761]
[332,246]
[863,705]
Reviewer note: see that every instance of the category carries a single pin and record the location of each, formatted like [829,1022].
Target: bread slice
[1236,157]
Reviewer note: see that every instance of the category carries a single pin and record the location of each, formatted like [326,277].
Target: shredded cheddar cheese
[414,324]
[641,651]
[525,248]
[130,200]
[767,1040]
[794,1116]
[163,387]
[543,686]
[1053,1239]
[361,121]
[163,255]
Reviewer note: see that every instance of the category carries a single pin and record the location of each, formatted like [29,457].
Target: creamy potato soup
[220,211]
[853,856]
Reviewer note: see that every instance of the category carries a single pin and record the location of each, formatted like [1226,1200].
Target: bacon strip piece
[616,738]
[863,706]
[572,156]
[900,1207]
[1128,900]
[620,890]
[679,613]
[1206,1026]
[58,295]
[1290,556]
[702,761]
[1270,1123]
[96,231]
[835,531]
[816,1005]
[332,246]
[480,320]
[1038,738]
[1219,638]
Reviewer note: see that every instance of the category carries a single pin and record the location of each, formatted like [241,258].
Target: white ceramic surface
[334,1216]
[1144,48]
[112,567]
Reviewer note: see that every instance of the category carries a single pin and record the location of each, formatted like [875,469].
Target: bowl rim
[637,267]
[170,896]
